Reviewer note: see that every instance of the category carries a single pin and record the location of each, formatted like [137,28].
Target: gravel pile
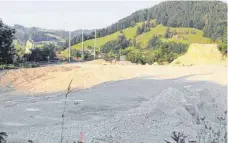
[173,109]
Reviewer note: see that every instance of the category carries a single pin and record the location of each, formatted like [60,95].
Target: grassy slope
[129,33]
[191,38]
[144,38]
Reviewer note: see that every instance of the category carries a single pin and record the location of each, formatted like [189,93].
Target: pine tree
[167,33]
[138,31]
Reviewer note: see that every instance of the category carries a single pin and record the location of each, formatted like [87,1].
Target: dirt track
[116,103]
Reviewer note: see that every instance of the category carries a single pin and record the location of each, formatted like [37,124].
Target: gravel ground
[137,110]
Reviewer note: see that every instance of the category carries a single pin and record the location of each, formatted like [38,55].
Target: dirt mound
[155,63]
[114,62]
[99,61]
[56,78]
[200,54]
[29,79]
[125,63]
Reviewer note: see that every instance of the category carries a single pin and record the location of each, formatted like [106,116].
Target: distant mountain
[40,35]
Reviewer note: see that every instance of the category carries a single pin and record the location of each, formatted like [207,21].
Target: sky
[68,15]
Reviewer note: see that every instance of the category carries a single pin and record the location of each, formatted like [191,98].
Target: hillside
[128,32]
[143,39]
[184,35]
[168,27]
[209,16]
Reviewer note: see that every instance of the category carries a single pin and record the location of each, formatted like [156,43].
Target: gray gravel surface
[139,110]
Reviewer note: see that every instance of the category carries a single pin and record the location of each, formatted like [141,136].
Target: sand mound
[200,54]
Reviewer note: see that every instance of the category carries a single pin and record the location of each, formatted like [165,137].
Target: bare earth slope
[199,54]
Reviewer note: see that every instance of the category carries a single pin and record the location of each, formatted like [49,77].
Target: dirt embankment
[57,78]
[199,54]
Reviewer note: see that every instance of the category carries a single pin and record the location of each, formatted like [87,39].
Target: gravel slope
[131,111]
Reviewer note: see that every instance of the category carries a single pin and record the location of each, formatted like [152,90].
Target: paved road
[142,109]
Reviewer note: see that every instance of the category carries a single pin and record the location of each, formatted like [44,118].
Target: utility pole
[95,44]
[82,46]
[69,46]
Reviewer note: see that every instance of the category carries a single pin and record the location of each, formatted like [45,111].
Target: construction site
[100,101]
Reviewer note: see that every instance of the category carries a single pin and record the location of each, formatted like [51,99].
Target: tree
[154,41]
[191,23]
[138,31]
[132,23]
[45,53]
[143,27]
[7,50]
[134,42]
[167,33]
[122,41]
[115,45]
[107,47]
[75,53]
[3,136]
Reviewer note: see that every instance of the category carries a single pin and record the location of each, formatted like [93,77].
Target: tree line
[157,51]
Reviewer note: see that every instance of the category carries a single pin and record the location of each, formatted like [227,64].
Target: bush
[152,56]
[7,66]
[164,51]
[107,47]
[223,48]
[115,45]
[160,53]
[134,55]
[75,53]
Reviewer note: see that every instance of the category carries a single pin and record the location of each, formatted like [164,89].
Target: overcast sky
[69,15]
